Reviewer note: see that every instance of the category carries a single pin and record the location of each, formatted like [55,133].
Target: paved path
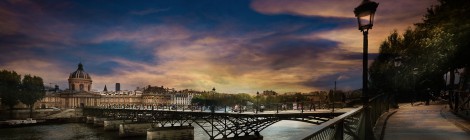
[432,122]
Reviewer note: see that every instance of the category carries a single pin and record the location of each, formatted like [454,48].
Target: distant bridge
[215,124]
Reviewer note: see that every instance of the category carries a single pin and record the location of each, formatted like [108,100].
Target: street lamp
[397,64]
[182,99]
[240,106]
[456,94]
[277,104]
[365,17]
[257,105]
[334,95]
[212,113]
[213,100]
[415,72]
[365,14]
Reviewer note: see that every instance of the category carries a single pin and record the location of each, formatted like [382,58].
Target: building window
[81,87]
[73,87]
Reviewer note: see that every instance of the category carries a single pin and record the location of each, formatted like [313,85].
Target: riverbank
[42,117]
[22,114]
[32,122]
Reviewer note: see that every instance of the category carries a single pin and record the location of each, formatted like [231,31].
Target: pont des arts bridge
[167,124]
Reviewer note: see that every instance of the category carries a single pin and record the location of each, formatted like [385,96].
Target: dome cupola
[80,73]
[79,80]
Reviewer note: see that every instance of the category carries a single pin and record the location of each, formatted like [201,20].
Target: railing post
[339,130]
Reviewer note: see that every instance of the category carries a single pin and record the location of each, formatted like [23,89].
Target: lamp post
[456,94]
[302,103]
[212,113]
[183,100]
[256,110]
[213,100]
[365,17]
[240,106]
[334,95]
[277,104]
[397,64]
[415,72]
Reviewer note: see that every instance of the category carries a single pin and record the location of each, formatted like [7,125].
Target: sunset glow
[236,46]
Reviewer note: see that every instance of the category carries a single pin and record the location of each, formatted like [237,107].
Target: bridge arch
[223,124]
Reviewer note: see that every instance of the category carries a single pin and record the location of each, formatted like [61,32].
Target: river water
[282,130]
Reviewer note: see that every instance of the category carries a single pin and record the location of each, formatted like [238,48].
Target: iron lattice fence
[350,126]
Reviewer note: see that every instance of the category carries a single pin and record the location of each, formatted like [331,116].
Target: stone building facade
[79,94]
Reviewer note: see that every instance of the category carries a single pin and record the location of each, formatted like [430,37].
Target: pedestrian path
[421,122]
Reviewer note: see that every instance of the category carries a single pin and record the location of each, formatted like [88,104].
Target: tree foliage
[10,83]
[417,60]
[32,90]
[219,99]
[13,89]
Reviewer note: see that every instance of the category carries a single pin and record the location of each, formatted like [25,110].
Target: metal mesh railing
[462,103]
[351,126]
[324,134]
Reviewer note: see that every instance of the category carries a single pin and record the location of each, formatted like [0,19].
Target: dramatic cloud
[234,46]
[391,15]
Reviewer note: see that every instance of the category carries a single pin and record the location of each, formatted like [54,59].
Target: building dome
[80,73]
[80,80]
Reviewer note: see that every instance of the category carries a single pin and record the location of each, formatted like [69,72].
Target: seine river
[282,130]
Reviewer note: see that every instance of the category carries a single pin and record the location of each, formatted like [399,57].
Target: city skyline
[234,46]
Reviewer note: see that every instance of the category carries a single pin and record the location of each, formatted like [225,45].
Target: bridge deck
[218,124]
[432,122]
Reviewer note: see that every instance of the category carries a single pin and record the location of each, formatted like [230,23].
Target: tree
[449,15]
[434,47]
[9,88]
[32,90]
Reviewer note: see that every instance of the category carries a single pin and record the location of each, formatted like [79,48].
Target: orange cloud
[224,63]
[391,15]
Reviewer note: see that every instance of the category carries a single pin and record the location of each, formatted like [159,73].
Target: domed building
[80,80]
[81,95]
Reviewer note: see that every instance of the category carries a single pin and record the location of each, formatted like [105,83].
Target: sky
[236,46]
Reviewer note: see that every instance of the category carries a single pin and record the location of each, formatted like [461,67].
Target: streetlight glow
[365,13]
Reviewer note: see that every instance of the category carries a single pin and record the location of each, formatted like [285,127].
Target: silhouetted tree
[10,82]
[32,90]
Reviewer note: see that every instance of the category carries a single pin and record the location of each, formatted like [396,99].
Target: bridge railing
[460,102]
[350,125]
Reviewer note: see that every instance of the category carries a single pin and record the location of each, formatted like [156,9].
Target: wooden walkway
[433,122]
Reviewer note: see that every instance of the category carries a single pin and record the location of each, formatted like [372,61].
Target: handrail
[350,125]
[460,102]
[329,123]
[375,97]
